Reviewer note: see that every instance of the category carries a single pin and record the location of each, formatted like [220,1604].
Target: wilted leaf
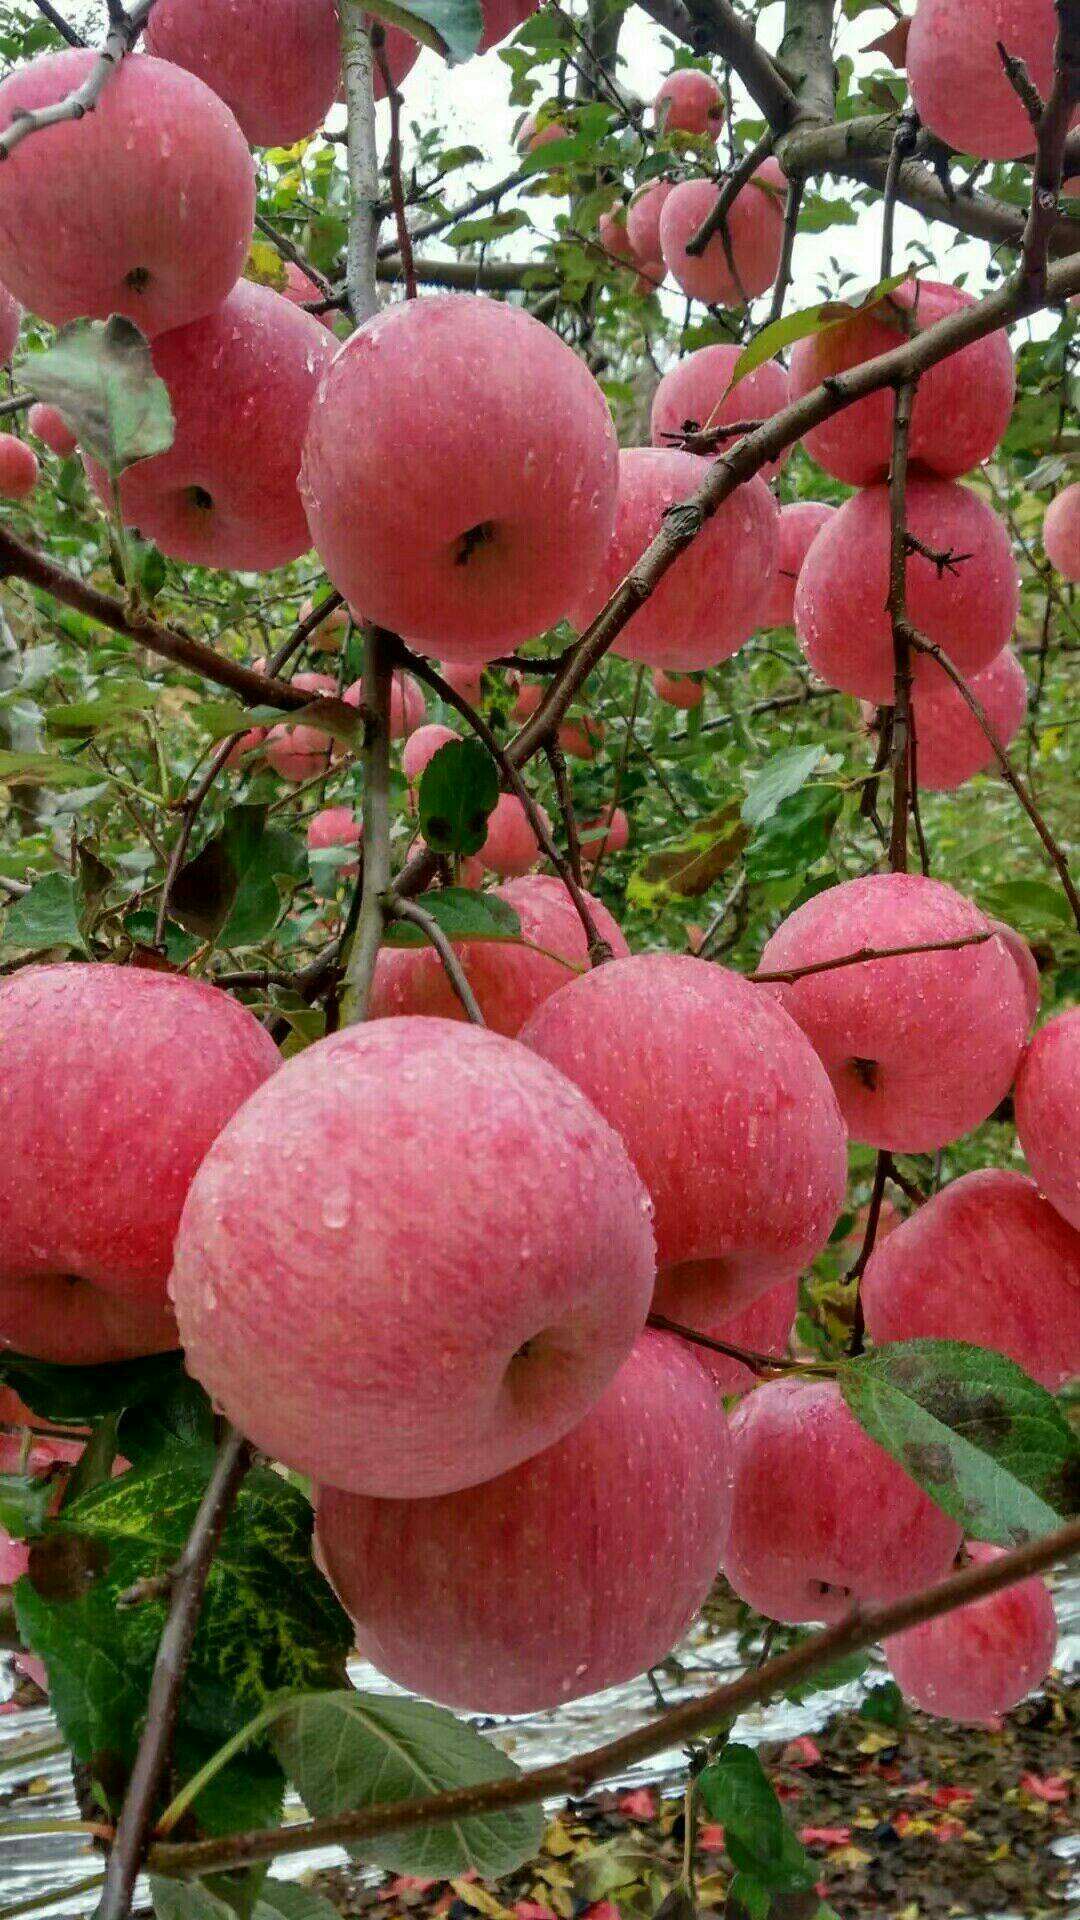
[44,770]
[100,374]
[686,868]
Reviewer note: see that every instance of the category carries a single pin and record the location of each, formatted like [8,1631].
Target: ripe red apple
[989,1261]
[329,635]
[241,384]
[677,689]
[822,1517]
[511,846]
[920,1048]
[608,833]
[1026,966]
[298,753]
[335,827]
[582,735]
[10,322]
[612,233]
[532,133]
[969,609]
[165,233]
[481,537]
[501,17]
[764,1326]
[509,979]
[528,699]
[466,680]
[474,1238]
[300,289]
[962,405]
[628,1514]
[421,747]
[709,602]
[755,222]
[689,101]
[1047,1096]
[980,1661]
[19,469]
[958,83]
[950,745]
[657,1041]
[800,525]
[643,219]
[1061,531]
[695,392]
[280,81]
[52,429]
[142,1070]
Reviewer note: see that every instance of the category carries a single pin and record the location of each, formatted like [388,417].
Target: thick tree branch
[1052,126]
[715,27]
[806,53]
[679,1724]
[363,162]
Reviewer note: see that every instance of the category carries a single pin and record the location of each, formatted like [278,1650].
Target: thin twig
[379,648]
[882,1166]
[580,1771]
[787,248]
[63,27]
[291,252]
[163,1700]
[393,160]
[866,954]
[560,774]
[730,189]
[897,609]
[398,909]
[124,30]
[764,1365]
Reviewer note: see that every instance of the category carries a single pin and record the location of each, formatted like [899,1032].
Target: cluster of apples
[459,1357]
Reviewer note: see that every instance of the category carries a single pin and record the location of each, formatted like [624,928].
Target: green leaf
[71,1396]
[796,836]
[206,888]
[178,1415]
[686,868]
[462,914]
[24,1503]
[471,233]
[44,770]
[737,1792]
[348,1750]
[781,333]
[989,1445]
[777,780]
[816,213]
[1033,904]
[452,27]
[288,1900]
[114,707]
[45,918]
[100,375]
[186,1900]
[269,1622]
[459,789]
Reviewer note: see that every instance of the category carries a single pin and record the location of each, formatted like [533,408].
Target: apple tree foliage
[738,811]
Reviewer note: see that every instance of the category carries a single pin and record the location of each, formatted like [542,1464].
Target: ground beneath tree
[920,1819]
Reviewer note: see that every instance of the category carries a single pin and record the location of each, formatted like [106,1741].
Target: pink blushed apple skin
[1047,1097]
[19,469]
[597,1552]
[143,1070]
[609,833]
[463,1322]
[299,753]
[840,617]
[958,83]
[52,430]
[822,1516]
[335,827]
[1061,532]
[241,384]
[301,289]
[979,1662]
[765,1326]
[466,680]
[920,1048]
[643,219]
[508,978]
[689,101]
[710,601]
[950,745]
[421,747]
[164,236]
[501,18]
[696,389]
[1026,966]
[506,502]
[987,1260]
[676,690]
[755,223]
[511,847]
[531,134]
[613,236]
[280,82]
[961,409]
[655,1042]
[10,322]
[800,525]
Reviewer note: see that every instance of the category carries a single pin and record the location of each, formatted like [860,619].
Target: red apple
[533,133]
[335,827]
[609,833]
[52,429]
[920,1048]
[581,735]
[301,290]
[689,101]
[695,392]
[823,1518]
[989,1261]
[800,525]
[657,1041]
[950,745]
[969,609]
[299,753]
[677,690]
[755,222]
[643,219]
[1047,1099]
[19,469]
[1061,532]
[165,233]
[612,233]
[509,979]
[595,1554]
[280,80]
[10,322]
[980,1661]
[710,601]
[480,536]
[421,747]
[765,1326]
[142,1069]
[1026,965]
[958,83]
[459,1261]
[962,405]
[501,18]
[241,384]
[329,635]
[511,846]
